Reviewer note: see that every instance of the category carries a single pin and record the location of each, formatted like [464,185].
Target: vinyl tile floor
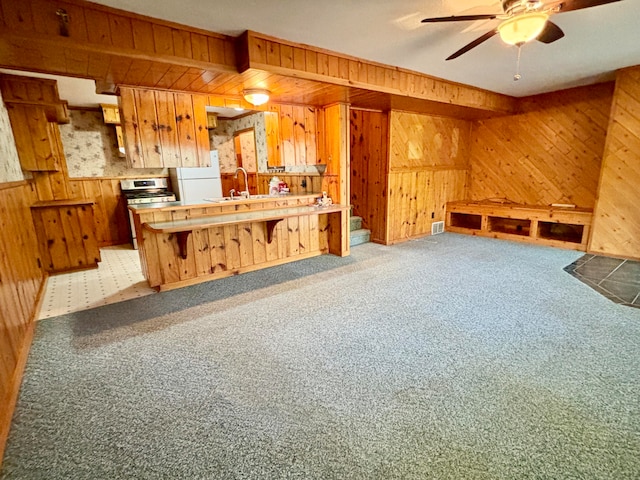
[615,278]
[117,278]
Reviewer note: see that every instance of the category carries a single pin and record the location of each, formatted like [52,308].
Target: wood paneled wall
[299,183]
[21,284]
[428,167]
[291,135]
[260,51]
[369,166]
[616,223]
[106,43]
[551,153]
[110,208]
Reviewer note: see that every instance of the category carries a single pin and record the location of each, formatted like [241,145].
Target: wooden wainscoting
[22,282]
[110,208]
[417,198]
[299,183]
[428,163]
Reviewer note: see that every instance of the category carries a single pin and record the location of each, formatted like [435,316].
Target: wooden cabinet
[35,140]
[111,115]
[557,227]
[42,92]
[164,129]
[66,235]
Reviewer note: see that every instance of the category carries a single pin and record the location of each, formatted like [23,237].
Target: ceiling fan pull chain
[517,76]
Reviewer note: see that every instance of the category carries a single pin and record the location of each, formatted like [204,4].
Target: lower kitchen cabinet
[66,235]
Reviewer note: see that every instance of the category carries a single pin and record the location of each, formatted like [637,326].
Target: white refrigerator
[193,185]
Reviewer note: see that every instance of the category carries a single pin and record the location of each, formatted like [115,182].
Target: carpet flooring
[449,357]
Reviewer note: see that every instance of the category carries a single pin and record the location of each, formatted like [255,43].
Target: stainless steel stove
[145,191]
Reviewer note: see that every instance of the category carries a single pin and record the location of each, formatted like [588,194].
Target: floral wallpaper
[222,140]
[10,170]
[91,148]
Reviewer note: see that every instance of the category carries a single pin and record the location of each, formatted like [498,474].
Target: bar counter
[181,245]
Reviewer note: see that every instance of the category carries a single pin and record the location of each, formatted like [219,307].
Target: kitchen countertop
[241,217]
[177,205]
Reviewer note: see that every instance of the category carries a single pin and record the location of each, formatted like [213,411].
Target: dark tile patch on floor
[615,278]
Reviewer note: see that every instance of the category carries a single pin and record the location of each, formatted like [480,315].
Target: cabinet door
[166,114]
[272,126]
[185,124]
[147,121]
[35,145]
[164,129]
[66,235]
[201,129]
[131,135]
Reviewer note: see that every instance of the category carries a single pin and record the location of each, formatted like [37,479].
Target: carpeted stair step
[361,235]
[355,223]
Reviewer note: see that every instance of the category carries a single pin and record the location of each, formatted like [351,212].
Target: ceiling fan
[522,21]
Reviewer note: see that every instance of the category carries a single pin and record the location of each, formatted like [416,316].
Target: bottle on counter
[283,188]
[274,186]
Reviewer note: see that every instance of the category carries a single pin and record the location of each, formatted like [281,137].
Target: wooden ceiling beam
[115,47]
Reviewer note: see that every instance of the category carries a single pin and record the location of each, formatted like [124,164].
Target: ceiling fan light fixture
[256,96]
[522,28]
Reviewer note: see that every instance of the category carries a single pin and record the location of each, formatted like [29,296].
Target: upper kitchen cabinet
[111,115]
[164,128]
[34,109]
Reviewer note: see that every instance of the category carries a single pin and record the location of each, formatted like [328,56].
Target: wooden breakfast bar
[187,244]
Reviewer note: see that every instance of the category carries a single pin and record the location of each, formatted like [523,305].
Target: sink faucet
[245,192]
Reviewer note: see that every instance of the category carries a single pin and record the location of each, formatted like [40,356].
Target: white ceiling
[597,40]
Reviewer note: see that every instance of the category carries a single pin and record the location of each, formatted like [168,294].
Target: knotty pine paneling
[428,163]
[550,153]
[230,249]
[291,135]
[271,54]
[110,208]
[419,141]
[299,183]
[419,198]
[369,166]
[21,283]
[116,47]
[66,235]
[164,129]
[113,28]
[616,222]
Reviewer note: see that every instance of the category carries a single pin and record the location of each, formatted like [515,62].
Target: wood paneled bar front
[185,245]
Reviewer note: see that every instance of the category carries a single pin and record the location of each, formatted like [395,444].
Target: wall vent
[437,227]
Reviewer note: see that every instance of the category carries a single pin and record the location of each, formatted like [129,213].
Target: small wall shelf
[553,226]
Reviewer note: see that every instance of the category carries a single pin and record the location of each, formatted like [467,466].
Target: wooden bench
[563,227]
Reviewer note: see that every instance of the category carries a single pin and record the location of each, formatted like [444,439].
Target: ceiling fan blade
[570,5]
[551,33]
[461,18]
[473,44]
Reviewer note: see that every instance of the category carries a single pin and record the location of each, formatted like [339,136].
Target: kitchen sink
[238,198]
